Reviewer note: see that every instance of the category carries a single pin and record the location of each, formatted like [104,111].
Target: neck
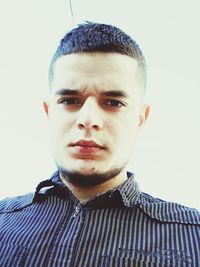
[84,194]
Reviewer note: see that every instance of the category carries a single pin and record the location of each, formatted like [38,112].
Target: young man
[91,211]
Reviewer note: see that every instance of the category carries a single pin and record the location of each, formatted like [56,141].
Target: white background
[166,158]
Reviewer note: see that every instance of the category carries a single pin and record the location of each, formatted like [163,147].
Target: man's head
[95,37]
[97,79]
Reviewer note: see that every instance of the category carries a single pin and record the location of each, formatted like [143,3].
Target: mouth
[83,147]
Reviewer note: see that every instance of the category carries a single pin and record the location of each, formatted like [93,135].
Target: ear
[46,107]
[144,113]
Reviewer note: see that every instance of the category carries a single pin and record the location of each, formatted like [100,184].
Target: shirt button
[76,212]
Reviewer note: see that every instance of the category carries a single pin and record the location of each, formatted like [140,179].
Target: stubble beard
[82,180]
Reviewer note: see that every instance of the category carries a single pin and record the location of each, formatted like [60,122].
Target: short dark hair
[96,37]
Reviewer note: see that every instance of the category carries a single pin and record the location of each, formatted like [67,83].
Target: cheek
[60,126]
[61,120]
[123,125]
[125,133]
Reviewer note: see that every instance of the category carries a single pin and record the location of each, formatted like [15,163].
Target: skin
[113,122]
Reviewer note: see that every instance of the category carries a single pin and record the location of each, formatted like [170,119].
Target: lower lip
[87,149]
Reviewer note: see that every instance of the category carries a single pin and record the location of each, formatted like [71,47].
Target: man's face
[95,111]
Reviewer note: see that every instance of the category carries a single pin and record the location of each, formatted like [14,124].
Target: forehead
[98,69]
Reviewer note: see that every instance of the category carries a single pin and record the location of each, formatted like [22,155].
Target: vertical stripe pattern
[121,228]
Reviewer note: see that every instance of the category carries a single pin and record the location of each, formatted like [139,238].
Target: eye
[69,101]
[113,103]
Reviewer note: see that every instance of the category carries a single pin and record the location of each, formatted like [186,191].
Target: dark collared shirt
[120,228]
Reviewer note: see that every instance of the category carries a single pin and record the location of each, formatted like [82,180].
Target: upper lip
[86,143]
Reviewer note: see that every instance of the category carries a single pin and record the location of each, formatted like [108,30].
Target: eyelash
[113,103]
[117,103]
[65,100]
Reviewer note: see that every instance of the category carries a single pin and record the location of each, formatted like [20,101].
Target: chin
[86,170]
[83,166]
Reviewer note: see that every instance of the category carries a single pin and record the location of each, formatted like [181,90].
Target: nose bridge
[90,103]
[89,114]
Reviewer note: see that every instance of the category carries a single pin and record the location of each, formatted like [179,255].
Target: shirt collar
[127,194]
[51,186]
[129,191]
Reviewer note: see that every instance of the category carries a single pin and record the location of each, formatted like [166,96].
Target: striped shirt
[120,228]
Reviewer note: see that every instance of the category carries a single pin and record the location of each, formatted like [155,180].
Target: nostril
[81,126]
[87,126]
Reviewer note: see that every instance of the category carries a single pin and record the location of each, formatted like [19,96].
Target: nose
[89,116]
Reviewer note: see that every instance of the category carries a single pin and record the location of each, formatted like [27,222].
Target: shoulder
[11,204]
[171,212]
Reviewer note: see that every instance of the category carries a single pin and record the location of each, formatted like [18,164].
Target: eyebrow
[111,93]
[115,93]
[67,92]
